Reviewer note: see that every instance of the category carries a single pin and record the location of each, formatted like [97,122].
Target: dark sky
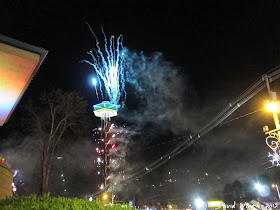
[219,47]
[212,42]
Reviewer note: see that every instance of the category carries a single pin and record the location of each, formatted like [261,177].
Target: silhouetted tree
[53,118]
[237,191]
[264,179]
[227,194]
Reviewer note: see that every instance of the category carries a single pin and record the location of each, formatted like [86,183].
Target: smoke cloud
[22,155]
[156,91]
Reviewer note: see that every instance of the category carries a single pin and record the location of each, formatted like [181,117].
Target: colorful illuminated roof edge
[27,47]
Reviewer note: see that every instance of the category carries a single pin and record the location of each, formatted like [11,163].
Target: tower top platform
[105,109]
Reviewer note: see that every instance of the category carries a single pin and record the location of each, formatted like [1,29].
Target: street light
[262,189]
[259,187]
[105,196]
[276,186]
[272,107]
[199,203]
[273,138]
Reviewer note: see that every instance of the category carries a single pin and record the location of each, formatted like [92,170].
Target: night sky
[210,42]
[218,48]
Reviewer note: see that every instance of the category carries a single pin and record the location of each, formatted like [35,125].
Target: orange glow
[273,107]
[17,67]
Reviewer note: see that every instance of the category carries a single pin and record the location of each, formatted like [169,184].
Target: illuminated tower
[105,111]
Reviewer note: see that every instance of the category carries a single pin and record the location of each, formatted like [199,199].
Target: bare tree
[55,117]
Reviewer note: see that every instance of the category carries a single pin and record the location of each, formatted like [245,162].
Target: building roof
[19,62]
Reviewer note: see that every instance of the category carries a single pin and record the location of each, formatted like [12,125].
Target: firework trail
[109,67]
[94,83]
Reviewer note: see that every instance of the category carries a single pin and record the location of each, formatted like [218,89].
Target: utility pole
[275,185]
[273,138]
[274,99]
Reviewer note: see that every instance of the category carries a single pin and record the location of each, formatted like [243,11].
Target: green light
[214,203]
